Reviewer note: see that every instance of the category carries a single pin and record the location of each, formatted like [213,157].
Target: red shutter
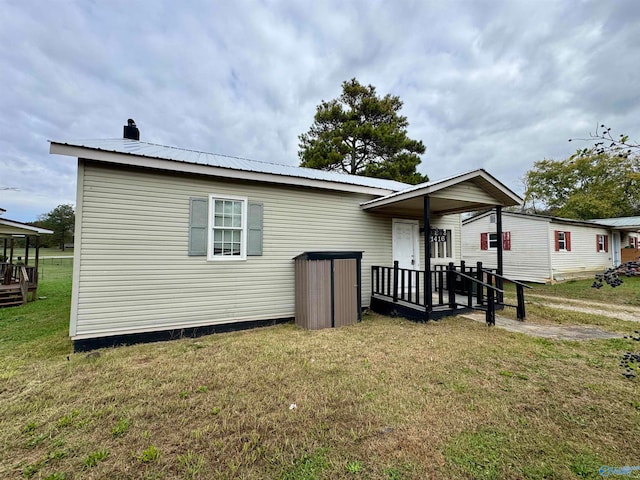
[484,241]
[606,243]
[597,243]
[567,240]
[557,235]
[506,240]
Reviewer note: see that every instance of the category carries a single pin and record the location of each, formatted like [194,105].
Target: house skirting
[87,344]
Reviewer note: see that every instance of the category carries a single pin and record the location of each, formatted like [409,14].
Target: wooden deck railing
[24,282]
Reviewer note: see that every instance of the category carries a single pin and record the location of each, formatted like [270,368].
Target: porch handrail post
[451,285]
[480,274]
[395,281]
[373,277]
[521,308]
[491,307]
[428,300]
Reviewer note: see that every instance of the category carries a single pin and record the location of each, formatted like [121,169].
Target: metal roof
[152,150]
[412,197]
[13,227]
[619,222]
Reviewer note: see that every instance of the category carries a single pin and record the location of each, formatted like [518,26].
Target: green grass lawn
[56,252]
[383,399]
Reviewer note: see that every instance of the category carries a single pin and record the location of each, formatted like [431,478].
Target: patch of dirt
[621,312]
[557,332]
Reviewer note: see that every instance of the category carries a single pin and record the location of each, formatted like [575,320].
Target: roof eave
[510,198]
[131,159]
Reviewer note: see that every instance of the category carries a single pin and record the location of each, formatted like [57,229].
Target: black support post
[499,252]
[428,300]
[480,277]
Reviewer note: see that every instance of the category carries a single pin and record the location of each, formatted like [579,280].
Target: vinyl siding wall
[583,258]
[529,256]
[133,273]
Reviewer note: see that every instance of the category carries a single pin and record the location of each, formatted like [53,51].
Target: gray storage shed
[328,289]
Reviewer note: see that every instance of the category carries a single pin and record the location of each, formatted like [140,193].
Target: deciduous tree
[62,221]
[360,133]
[603,141]
[585,187]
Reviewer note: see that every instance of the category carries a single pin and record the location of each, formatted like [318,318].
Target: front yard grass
[383,399]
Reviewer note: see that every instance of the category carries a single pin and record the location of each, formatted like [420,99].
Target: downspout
[428,300]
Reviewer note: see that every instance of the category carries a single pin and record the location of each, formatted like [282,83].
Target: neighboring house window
[563,241]
[602,243]
[489,241]
[443,249]
[633,242]
[493,240]
[227,228]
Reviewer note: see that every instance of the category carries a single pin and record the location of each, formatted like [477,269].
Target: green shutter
[198,213]
[254,229]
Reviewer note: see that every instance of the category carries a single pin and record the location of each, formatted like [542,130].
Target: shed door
[345,291]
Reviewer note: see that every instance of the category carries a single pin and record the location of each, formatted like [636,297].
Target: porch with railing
[453,289]
[16,282]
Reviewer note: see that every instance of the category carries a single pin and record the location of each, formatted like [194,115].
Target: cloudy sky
[487,84]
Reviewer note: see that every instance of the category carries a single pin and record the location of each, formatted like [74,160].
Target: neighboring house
[625,234]
[172,240]
[544,249]
[18,273]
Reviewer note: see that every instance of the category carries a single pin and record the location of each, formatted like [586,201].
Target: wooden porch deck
[16,283]
[385,305]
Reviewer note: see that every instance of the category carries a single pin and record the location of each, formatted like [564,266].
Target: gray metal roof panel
[619,222]
[145,149]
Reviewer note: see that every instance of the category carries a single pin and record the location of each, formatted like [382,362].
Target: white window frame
[601,243]
[562,241]
[243,229]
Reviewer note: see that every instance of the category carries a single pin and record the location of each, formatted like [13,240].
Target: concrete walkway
[556,332]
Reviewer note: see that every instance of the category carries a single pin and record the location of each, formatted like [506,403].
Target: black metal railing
[520,304]
[449,282]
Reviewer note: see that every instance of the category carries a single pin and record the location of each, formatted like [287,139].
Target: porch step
[10,295]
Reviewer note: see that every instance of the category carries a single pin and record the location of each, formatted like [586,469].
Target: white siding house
[169,239]
[541,248]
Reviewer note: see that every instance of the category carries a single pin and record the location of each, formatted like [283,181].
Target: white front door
[405,243]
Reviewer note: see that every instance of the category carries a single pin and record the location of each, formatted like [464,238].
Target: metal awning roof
[620,223]
[10,228]
[466,192]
